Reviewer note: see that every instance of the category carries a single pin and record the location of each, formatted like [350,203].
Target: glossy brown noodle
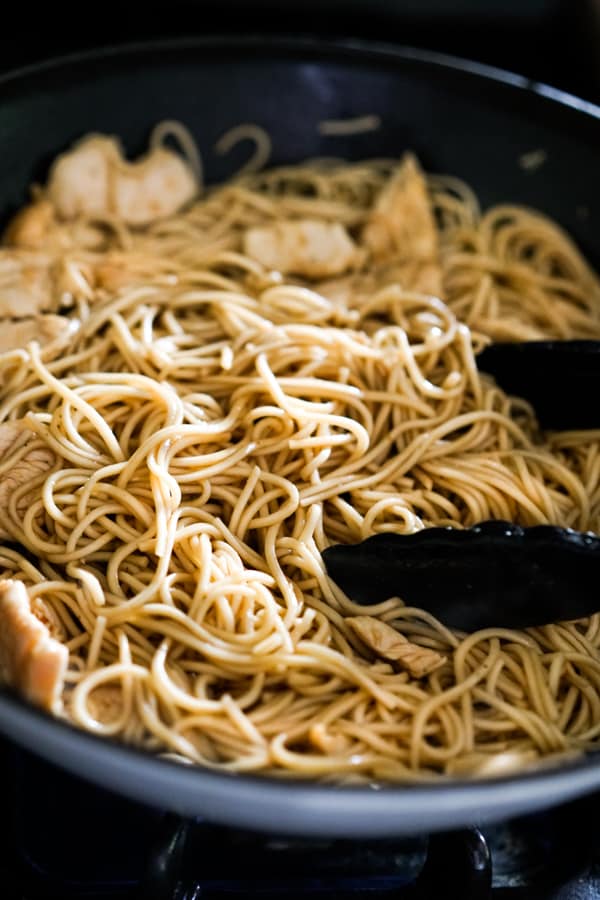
[216,426]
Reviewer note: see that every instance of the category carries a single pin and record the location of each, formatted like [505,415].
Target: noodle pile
[217,425]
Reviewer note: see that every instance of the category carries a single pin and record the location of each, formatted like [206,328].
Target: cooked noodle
[247,132]
[345,127]
[217,426]
[171,128]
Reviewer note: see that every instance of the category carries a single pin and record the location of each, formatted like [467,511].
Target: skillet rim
[303,807]
[378,50]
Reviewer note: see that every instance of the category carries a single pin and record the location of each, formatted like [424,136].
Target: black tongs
[495,574]
[561,379]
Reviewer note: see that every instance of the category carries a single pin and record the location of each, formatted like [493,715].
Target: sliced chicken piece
[112,274]
[401,221]
[306,247]
[45,329]
[425,277]
[79,179]
[349,291]
[12,436]
[388,643]
[94,179]
[23,457]
[34,282]
[36,227]
[352,291]
[153,188]
[421,275]
[46,615]
[31,660]
[401,227]
[31,227]
[26,284]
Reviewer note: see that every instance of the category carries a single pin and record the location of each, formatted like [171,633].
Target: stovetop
[67,840]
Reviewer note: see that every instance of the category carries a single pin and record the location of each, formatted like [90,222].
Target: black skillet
[459,117]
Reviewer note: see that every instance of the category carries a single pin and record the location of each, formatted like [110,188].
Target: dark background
[556,41]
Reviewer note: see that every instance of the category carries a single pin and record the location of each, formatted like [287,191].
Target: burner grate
[67,840]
